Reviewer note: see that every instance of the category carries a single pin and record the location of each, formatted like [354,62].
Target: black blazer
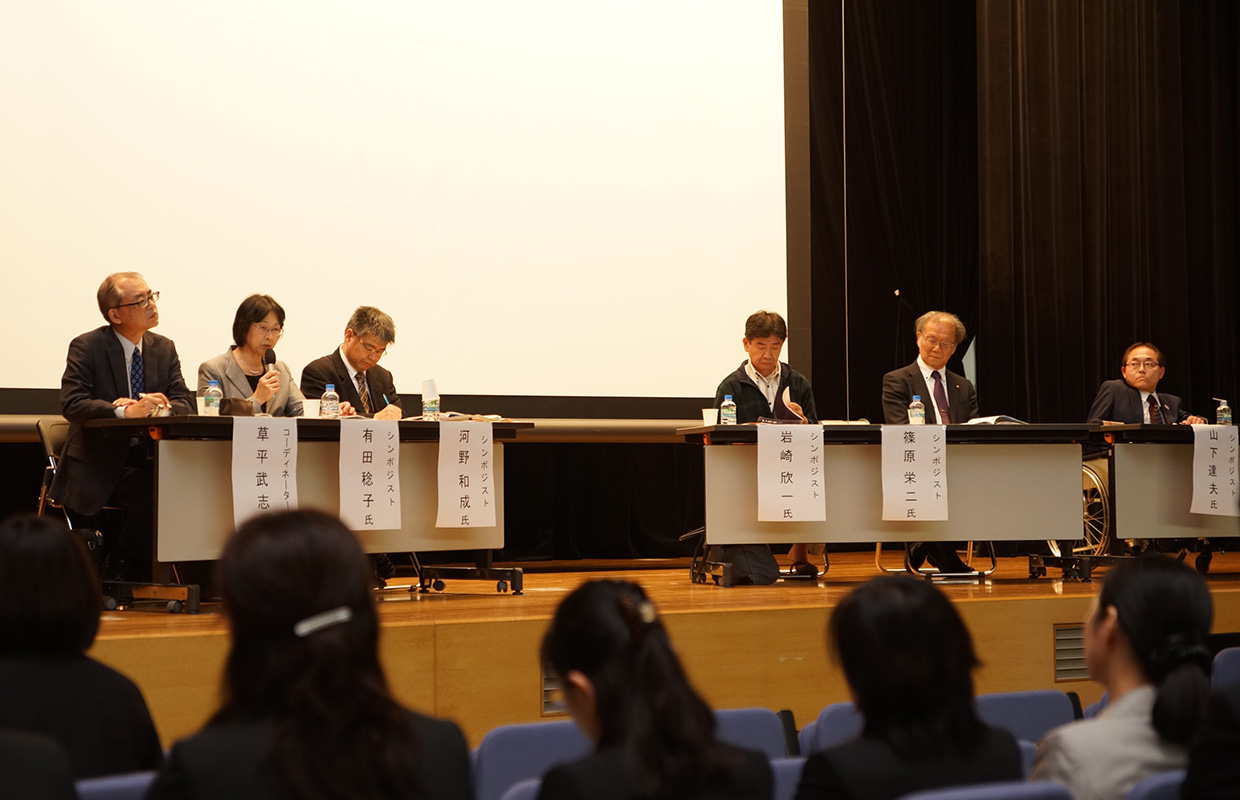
[91,462]
[602,776]
[223,762]
[33,767]
[866,768]
[1119,402]
[96,714]
[332,369]
[900,385]
[1213,763]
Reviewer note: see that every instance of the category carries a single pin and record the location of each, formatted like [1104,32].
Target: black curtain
[894,191]
[1107,154]
[1061,174]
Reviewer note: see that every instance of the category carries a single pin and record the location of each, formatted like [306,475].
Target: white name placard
[914,472]
[370,474]
[264,466]
[466,475]
[790,474]
[1214,470]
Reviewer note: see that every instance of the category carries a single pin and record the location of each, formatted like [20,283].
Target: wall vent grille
[1070,653]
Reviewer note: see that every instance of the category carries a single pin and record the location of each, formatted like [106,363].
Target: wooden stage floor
[471,654]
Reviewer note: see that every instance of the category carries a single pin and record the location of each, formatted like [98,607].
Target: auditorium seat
[1094,709]
[1007,790]
[510,754]
[1028,752]
[787,773]
[1026,715]
[1163,786]
[523,790]
[836,723]
[752,728]
[513,753]
[1226,667]
[131,786]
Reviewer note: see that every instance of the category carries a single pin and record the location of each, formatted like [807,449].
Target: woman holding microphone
[249,368]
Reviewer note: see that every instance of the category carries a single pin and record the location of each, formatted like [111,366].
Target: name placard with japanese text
[370,474]
[914,472]
[1214,470]
[264,466]
[466,472]
[790,474]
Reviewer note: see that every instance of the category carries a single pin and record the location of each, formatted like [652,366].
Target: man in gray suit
[119,370]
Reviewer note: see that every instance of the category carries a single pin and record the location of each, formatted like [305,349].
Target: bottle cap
[916,397]
[331,387]
[727,397]
[213,383]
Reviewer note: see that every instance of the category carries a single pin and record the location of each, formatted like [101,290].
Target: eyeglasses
[275,332]
[935,343]
[371,349]
[142,302]
[1147,363]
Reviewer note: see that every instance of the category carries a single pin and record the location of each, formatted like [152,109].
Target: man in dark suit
[949,398]
[118,370]
[1136,400]
[364,387]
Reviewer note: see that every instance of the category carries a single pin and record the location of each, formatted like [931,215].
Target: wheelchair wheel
[1096,505]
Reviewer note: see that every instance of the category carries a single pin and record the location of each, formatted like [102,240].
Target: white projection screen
[551,198]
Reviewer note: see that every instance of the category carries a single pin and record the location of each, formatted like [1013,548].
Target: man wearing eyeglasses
[949,398]
[364,387]
[124,370]
[1135,399]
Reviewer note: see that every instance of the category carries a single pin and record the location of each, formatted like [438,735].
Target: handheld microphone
[269,358]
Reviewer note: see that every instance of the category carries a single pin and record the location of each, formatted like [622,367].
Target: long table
[1151,481]
[193,484]
[1005,482]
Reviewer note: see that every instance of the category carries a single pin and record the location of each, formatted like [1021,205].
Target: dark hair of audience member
[1164,608]
[908,659]
[254,308]
[49,589]
[337,730]
[609,631]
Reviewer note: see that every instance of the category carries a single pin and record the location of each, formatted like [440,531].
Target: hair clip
[325,619]
[645,610]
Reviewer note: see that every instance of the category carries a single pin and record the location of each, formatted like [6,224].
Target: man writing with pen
[119,370]
[364,387]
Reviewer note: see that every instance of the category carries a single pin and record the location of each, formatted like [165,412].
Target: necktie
[940,399]
[137,376]
[362,394]
[1155,412]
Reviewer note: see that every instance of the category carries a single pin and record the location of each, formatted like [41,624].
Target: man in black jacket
[364,387]
[758,387]
[1136,400]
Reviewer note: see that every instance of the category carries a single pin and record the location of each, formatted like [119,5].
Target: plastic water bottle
[727,411]
[212,398]
[329,405]
[430,408]
[916,411]
[1223,415]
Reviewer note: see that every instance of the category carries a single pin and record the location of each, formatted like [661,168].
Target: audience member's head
[625,687]
[1150,620]
[49,589]
[296,588]
[908,659]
